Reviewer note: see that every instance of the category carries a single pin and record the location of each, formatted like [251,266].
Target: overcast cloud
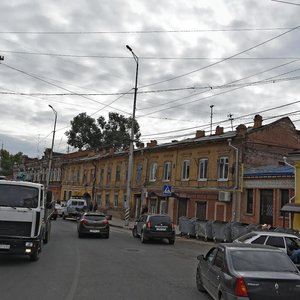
[53,48]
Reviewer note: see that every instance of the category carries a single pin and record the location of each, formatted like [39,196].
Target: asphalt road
[120,267]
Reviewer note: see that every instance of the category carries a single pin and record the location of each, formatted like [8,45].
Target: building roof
[269,171]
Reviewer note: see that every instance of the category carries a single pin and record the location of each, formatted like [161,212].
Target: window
[275,241]
[284,198]
[101,176]
[260,240]
[98,200]
[167,171]
[107,200]
[116,200]
[185,175]
[118,173]
[202,173]
[139,173]
[249,208]
[108,178]
[223,168]
[153,169]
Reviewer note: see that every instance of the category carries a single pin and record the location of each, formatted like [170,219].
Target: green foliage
[86,133]
[7,162]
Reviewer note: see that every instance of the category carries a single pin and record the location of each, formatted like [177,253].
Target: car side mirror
[201,257]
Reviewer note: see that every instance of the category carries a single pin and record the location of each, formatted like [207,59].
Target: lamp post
[51,153]
[130,156]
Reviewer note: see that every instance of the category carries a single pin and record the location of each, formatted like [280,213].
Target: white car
[272,238]
[59,209]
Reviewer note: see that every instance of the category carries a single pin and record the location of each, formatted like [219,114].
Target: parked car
[244,271]
[91,223]
[272,238]
[154,226]
[74,208]
[59,209]
[54,214]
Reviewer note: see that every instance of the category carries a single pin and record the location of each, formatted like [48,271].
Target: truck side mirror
[49,203]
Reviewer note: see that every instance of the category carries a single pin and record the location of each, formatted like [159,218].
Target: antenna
[211,115]
[230,116]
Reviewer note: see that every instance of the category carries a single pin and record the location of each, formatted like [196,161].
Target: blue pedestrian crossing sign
[167,190]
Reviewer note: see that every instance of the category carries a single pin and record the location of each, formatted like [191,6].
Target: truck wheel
[34,256]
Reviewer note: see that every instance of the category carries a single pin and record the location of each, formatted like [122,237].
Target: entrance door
[266,207]
[201,210]
[182,208]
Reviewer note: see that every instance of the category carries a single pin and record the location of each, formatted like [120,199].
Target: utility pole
[51,153]
[1,153]
[130,156]
[211,116]
[230,116]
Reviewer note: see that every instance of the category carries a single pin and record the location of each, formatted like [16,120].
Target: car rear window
[253,260]
[246,237]
[160,219]
[94,217]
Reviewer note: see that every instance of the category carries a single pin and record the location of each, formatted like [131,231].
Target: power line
[225,59]
[144,31]
[226,120]
[143,57]
[55,85]
[286,2]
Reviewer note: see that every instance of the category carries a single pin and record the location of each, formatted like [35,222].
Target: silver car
[245,271]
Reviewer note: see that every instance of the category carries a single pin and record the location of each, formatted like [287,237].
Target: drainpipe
[290,200]
[236,163]
[236,177]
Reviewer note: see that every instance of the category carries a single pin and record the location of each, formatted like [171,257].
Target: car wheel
[143,240]
[134,232]
[199,282]
[106,236]
[63,216]
[171,241]
[80,235]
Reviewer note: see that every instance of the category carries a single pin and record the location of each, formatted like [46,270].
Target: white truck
[25,213]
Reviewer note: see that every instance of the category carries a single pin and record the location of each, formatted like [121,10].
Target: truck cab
[25,213]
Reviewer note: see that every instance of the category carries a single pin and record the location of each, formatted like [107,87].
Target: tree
[7,162]
[86,133]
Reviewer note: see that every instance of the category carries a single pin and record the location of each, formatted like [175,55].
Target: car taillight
[105,222]
[84,221]
[148,224]
[240,288]
[172,225]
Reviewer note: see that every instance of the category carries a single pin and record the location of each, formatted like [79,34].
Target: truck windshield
[18,196]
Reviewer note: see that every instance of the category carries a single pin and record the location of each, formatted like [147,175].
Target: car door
[216,275]
[206,268]
[140,222]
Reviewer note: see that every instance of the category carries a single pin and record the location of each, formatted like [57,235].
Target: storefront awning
[291,208]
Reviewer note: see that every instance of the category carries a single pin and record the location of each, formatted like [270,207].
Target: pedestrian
[144,209]
[95,206]
[294,253]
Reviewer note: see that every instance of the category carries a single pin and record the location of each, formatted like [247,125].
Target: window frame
[153,172]
[223,168]
[167,171]
[185,170]
[203,170]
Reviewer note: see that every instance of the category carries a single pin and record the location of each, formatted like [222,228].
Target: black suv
[154,226]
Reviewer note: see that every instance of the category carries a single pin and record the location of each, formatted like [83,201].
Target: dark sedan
[93,224]
[241,271]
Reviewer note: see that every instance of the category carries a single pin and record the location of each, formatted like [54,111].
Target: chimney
[241,129]
[200,133]
[219,130]
[152,143]
[257,121]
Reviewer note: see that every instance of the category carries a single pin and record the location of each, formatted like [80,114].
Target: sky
[201,64]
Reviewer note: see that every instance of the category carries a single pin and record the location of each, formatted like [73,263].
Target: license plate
[4,246]
[161,228]
[94,231]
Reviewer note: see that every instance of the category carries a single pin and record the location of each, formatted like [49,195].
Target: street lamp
[130,156]
[51,153]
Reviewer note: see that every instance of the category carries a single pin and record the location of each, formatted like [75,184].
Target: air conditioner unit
[224,196]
